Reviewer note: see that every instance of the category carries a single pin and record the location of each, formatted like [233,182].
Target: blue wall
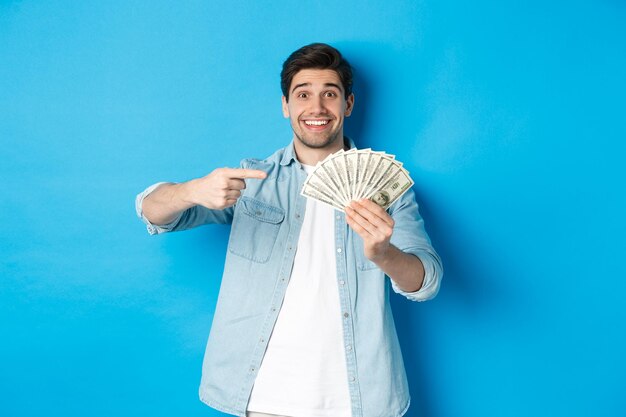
[510,117]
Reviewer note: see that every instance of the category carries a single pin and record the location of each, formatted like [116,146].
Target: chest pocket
[254,230]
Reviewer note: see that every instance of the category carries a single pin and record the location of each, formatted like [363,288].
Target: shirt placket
[346,315]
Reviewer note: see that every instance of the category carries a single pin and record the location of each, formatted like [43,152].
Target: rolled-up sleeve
[432,278]
[153,229]
[410,236]
[188,219]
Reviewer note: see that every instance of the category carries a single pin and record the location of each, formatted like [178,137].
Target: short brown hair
[316,56]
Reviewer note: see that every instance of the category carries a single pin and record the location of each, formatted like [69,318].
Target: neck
[311,156]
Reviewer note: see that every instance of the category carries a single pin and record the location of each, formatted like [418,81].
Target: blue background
[509,115]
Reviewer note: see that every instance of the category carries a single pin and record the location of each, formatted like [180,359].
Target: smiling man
[303,325]
[316,105]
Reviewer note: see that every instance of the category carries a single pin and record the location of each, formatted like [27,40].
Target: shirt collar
[290,152]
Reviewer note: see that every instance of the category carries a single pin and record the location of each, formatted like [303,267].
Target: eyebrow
[309,84]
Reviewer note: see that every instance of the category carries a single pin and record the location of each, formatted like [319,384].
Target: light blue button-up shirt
[266,225]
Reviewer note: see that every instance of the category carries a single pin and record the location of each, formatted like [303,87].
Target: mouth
[316,124]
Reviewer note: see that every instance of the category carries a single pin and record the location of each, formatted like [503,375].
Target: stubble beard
[312,143]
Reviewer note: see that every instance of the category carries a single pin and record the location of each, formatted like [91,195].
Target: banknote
[355,174]
[392,189]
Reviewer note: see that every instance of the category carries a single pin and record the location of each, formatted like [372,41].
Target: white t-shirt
[303,372]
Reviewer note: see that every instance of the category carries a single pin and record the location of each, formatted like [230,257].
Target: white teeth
[316,122]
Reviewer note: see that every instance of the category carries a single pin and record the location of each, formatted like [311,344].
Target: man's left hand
[373,224]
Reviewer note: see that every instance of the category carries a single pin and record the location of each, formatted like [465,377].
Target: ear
[349,105]
[285,108]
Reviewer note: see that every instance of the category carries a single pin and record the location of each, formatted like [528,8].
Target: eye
[302,95]
[330,94]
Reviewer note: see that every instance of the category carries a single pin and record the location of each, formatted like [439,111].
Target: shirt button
[338,217]
[349,347]
[342,282]
[297,216]
[352,379]
[338,250]
[346,315]
[252,369]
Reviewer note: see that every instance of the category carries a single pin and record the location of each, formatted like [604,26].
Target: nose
[317,105]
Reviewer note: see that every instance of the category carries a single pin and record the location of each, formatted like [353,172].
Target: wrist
[184,193]
[384,257]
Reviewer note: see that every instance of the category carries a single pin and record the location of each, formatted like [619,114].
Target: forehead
[316,78]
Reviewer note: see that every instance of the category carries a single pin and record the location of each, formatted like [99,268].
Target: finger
[376,209]
[228,194]
[232,194]
[379,218]
[376,226]
[355,226]
[363,224]
[244,173]
[235,184]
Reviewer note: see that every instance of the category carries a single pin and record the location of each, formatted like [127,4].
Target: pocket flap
[261,211]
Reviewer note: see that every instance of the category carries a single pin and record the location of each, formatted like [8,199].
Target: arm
[216,191]
[166,203]
[375,226]
[167,207]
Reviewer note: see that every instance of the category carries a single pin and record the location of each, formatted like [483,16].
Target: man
[303,325]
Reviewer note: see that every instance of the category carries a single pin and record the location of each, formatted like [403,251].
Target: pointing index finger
[246,173]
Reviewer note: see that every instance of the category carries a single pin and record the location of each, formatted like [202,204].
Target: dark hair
[316,56]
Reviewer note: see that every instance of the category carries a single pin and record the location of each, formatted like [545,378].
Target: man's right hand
[221,188]
[218,190]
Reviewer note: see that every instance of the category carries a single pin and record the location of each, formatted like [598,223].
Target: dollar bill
[319,182]
[350,158]
[338,163]
[326,172]
[390,191]
[380,172]
[354,174]
[309,191]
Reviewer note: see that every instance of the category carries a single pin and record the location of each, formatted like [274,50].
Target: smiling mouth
[316,122]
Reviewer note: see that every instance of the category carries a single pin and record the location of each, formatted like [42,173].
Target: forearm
[166,202]
[405,269]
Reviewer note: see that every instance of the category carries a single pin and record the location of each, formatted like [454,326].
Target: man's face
[317,107]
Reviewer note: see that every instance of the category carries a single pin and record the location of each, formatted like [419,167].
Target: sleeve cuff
[432,278]
[153,229]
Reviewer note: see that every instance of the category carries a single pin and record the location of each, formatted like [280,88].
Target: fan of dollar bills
[355,174]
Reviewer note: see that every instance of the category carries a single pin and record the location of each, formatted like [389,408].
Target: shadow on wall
[358,124]
[461,294]
[469,290]
[387,95]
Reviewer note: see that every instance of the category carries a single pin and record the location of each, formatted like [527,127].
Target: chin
[317,144]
